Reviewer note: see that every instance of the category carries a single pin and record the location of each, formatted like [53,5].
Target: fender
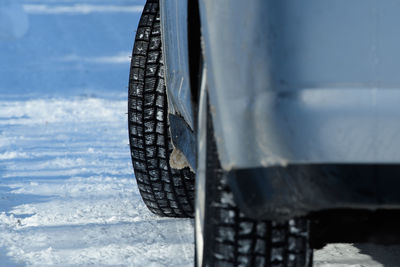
[174,29]
[303,82]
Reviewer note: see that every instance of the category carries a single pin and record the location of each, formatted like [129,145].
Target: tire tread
[165,191]
[232,239]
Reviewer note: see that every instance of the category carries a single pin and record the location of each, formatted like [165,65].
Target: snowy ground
[67,196]
[67,191]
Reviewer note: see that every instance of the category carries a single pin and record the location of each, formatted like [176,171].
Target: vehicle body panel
[174,27]
[300,93]
[313,82]
[281,193]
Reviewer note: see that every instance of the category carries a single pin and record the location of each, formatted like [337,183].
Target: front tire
[224,235]
[165,191]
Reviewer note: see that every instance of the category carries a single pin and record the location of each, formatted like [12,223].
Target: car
[273,123]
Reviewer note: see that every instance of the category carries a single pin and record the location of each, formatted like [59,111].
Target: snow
[80,9]
[68,196]
[120,58]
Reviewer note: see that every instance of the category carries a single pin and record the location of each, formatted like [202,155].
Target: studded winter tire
[166,191]
[224,235]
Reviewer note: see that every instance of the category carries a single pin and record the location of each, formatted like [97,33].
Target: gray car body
[174,16]
[292,82]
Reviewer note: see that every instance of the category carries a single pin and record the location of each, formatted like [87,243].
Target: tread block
[149,100]
[152,57]
[150,84]
[149,112]
[143,34]
[156,29]
[139,62]
[137,74]
[140,48]
[160,87]
[160,103]
[155,43]
[151,7]
[160,127]
[160,140]
[147,20]
[151,70]
[150,140]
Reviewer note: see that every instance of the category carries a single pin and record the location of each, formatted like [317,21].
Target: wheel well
[195,52]
[355,226]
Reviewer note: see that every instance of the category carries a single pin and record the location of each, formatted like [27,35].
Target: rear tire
[166,191]
[224,235]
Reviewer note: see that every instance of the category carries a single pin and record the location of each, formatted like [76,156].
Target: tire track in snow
[73,153]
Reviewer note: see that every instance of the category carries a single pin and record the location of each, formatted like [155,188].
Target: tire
[224,235]
[165,191]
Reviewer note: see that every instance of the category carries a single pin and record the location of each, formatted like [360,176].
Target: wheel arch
[180,26]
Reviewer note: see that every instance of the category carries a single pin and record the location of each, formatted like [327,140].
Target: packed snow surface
[68,195]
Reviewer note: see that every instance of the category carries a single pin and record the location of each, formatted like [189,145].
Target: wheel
[166,191]
[224,235]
